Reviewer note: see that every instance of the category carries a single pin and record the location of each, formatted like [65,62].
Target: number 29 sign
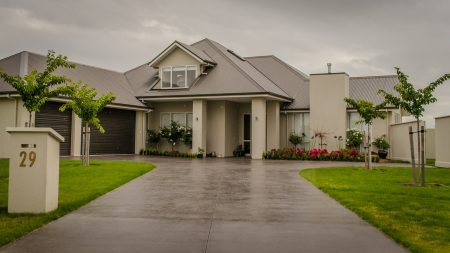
[27,157]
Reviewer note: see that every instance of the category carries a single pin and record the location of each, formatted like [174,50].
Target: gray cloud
[358,37]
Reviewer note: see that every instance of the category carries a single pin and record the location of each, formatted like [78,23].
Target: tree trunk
[419,151]
[86,145]
[29,119]
[413,159]
[422,153]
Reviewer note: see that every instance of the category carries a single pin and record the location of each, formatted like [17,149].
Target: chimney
[329,68]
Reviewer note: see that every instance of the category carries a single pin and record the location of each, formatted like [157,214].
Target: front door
[247,133]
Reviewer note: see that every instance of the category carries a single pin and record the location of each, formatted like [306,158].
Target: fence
[399,140]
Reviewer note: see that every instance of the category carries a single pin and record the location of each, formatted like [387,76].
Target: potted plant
[382,145]
[200,152]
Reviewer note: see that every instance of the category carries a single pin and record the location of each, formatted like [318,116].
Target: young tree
[87,108]
[36,87]
[413,101]
[368,112]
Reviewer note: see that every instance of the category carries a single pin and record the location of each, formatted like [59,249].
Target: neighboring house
[227,100]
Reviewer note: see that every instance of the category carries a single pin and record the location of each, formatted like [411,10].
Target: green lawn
[78,185]
[417,217]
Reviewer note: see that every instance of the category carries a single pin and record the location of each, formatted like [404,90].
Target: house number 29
[31,156]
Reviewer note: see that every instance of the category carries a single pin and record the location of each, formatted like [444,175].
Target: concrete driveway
[211,205]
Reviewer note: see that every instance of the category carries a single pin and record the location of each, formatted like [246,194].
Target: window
[177,76]
[354,121]
[300,124]
[182,118]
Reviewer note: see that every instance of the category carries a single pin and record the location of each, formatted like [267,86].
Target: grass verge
[416,217]
[78,185]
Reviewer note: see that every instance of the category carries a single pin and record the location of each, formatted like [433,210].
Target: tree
[36,87]
[413,101]
[87,108]
[368,112]
[295,139]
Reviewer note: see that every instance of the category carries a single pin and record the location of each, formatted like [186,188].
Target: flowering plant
[354,138]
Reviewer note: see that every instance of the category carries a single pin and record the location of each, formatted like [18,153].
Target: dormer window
[176,77]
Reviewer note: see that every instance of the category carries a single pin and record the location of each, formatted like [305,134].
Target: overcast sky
[359,37]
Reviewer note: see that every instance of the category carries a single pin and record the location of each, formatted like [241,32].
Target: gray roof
[231,75]
[102,80]
[291,80]
[367,87]
[10,65]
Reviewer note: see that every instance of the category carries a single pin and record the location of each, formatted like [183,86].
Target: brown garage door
[61,122]
[119,136]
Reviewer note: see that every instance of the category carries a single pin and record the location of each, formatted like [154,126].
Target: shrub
[313,154]
[354,138]
[381,143]
[295,139]
[155,152]
[153,137]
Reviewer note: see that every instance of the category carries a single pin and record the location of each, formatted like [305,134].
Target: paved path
[211,205]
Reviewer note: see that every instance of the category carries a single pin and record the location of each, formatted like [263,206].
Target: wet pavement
[211,205]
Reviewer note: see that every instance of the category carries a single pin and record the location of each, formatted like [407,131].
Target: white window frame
[171,70]
[360,126]
[171,118]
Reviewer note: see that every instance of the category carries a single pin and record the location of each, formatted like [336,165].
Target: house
[227,100]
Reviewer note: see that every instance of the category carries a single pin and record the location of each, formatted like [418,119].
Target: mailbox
[33,169]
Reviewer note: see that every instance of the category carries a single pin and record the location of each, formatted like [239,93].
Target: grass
[430,162]
[78,186]
[416,217]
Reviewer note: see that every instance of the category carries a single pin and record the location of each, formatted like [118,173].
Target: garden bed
[174,153]
[315,154]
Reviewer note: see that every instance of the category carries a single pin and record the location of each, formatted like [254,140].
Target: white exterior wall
[273,125]
[258,127]
[215,137]
[139,142]
[442,135]
[7,119]
[328,109]
[199,130]
[430,144]
[400,146]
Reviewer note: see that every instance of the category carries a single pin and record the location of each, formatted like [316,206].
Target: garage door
[61,122]
[119,136]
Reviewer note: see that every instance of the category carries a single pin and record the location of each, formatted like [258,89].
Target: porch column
[258,127]
[139,135]
[75,149]
[199,117]
[273,125]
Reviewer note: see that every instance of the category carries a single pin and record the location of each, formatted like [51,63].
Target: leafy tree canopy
[36,87]
[84,104]
[367,110]
[410,99]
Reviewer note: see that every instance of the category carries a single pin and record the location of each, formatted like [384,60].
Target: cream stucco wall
[215,137]
[231,127]
[139,142]
[442,134]
[400,146]
[258,119]
[328,109]
[75,149]
[7,119]
[430,144]
[199,124]
[273,125]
